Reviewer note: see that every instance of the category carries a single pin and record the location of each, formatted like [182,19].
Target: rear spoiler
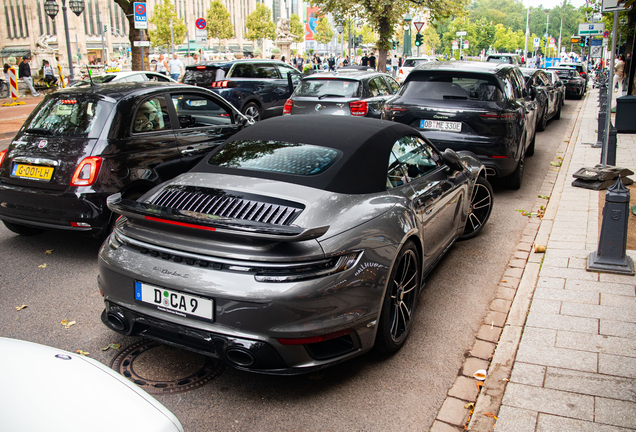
[238,227]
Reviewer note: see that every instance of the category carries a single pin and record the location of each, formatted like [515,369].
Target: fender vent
[228,204]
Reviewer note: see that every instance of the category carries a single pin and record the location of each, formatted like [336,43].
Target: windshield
[413,62]
[69,116]
[449,85]
[565,73]
[500,59]
[276,157]
[328,87]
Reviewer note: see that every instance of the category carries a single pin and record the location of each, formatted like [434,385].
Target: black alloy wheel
[481,202]
[399,303]
[252,112]
[23,229]
[543,122]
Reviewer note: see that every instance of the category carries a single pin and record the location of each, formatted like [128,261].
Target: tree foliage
[259,24]
[384,16]
[219,22]
[297,28]
[161,16]
[431,40]
[324,32]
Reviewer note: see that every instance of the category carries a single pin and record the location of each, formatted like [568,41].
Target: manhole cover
[160,369]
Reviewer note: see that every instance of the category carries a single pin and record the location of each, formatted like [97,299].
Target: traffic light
[105,28]
[418,39]
[359,39]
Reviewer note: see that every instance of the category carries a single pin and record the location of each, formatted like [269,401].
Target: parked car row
[254,242]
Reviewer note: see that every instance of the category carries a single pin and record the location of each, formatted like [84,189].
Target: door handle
[188,150]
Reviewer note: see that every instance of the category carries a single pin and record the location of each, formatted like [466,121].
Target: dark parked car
[300,243]
[514,59]
[257,88]
[547,95]
[354,93]
[134,76]
[581,69]
[554,78]
[574,83]
[82,144]
[481,107]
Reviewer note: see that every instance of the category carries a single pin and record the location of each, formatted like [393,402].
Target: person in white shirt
[175,66]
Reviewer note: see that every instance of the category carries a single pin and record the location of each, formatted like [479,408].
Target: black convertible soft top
[365,145]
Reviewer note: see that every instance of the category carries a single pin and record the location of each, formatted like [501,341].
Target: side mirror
[243,121]
[451,159]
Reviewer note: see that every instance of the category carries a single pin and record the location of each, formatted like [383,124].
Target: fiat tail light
[86,172]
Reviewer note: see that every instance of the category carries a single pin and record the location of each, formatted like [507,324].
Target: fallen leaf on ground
[19,308]
[479,384]
[545,197]
[84,353]
[64,322]
[470,405]
[491,415]
[49,252]
[504,280]
[67,324]
[113,346]
[539,248]
[42,265]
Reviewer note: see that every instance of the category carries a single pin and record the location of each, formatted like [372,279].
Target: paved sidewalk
[574,368]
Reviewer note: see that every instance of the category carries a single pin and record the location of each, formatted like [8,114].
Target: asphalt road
[402,392]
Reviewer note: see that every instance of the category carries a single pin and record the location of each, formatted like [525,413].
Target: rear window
[413,62]
[565,73]
[69,116]
[276,157]
[502,59]
[328,88]
[446,85]
[203,76]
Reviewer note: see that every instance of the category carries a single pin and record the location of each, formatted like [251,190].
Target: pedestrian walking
[619,73]
[537,61]
[6,68]
[25,74]
[396,63]
[372,61]
[175,66]
[162,65]
[364,61]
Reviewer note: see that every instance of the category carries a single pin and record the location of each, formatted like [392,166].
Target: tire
[400,300]
[557,116]
[252,111]
[481,202]
[23,230]
[543,122]
[530,149]
[513,181]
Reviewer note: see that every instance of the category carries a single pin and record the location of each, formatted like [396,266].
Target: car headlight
[332,266]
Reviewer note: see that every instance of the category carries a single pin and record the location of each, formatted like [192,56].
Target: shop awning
[15,51]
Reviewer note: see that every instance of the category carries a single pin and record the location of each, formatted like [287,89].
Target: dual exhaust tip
[242,357]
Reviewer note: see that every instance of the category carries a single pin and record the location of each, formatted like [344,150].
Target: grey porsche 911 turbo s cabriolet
[301,242]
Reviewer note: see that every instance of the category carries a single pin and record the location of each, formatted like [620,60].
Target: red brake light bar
[359,108]
[200,67]
[68,101]
[183,224]
[3,153]
[288,107]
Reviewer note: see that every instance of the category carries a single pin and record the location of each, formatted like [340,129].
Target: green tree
[324,32]
[297,29]
[431,40]
[369,37]
[482,35]
[219,22]
[161,16]
[259,25]
[385,15]
[133,35]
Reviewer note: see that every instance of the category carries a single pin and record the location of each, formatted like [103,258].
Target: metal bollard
[600,130]
[611,256]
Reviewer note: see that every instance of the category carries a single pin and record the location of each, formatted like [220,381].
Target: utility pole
[525,49]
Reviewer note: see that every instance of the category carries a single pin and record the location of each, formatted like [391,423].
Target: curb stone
[498,338]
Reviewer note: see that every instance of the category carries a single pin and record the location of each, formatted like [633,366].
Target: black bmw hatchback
[82,144]
[481,107]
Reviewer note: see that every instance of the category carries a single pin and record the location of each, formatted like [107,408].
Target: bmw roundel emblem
[42,143]
[318,107]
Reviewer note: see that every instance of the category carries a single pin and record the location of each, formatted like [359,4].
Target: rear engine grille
[229,204]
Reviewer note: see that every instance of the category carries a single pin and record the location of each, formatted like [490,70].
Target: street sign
[613,6]
[455,44]
[141,19]
[575,39]
[141,43]
[589,29]
[596,51]
[462,33]
[201,23]
[606,34]
[552,42]
[536,42]
[201,36]
[595,42]
[418,26]
[605,43]
[466,45]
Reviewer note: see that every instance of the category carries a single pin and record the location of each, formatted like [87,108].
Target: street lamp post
[407,35]
[51,8]
[525,49]
[340,29]
[547,24]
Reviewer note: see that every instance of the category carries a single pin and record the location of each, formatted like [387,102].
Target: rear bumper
[55,210]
